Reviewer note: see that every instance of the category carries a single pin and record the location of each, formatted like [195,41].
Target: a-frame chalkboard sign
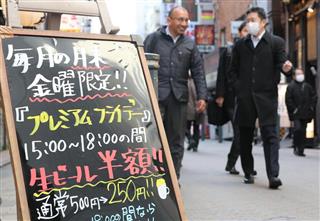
[86,137]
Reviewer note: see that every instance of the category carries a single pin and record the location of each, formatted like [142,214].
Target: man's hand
[220,101]
[201,105]
[286,67]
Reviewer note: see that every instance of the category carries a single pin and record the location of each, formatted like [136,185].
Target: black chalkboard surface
[87,129]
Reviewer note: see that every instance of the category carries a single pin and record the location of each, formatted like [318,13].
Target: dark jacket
[256,74]
[224,88]
[175,62]
[301,101]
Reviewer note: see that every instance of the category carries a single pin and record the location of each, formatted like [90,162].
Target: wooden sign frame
[10,122]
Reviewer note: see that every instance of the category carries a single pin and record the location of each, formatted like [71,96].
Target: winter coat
[176,59]
[301,101]
[255,73]
[223,88]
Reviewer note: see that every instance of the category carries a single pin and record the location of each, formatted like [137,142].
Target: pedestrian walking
[301,101]
[257,61]
[178,55]
[194,118]
[225,98]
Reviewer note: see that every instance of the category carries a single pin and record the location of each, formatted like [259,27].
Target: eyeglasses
[181,19]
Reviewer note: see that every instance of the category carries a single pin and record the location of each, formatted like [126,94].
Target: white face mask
[300,77]
[253,28]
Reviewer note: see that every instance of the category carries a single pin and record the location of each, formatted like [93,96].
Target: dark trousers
[235,146]
[193,136]
[299,134]
[174,116]
[271,147]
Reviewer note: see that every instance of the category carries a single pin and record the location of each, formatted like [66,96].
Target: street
[209,193]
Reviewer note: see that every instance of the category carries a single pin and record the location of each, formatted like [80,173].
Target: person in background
[225,97]
[178,55]
[194,118]
[301,101]
[257,61]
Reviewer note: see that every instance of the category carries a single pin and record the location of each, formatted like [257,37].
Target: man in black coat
[178,55]
[301,100]
[225,98]
[257,61]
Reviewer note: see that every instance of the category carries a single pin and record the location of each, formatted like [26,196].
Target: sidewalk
[4,158]
[209,193]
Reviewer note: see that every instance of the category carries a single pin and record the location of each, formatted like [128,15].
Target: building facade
[302,31]
[225,13]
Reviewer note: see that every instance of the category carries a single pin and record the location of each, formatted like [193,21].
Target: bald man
[178,55]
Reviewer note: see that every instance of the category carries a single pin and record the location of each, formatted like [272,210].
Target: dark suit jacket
[256,74]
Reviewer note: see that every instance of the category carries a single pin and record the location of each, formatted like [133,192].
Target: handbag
[216,115]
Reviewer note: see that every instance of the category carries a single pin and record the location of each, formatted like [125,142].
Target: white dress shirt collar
[175,39]
[255,40]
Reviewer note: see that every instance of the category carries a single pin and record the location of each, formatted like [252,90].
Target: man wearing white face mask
[257,61]
[301,101]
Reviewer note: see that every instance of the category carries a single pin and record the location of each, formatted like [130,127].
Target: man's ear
[264,22]
[168,20]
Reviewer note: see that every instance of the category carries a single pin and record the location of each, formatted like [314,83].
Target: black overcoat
[255,74]
[301,101]
[223,88]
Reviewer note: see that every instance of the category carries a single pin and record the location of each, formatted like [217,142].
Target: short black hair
[243,24]
[260,11]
